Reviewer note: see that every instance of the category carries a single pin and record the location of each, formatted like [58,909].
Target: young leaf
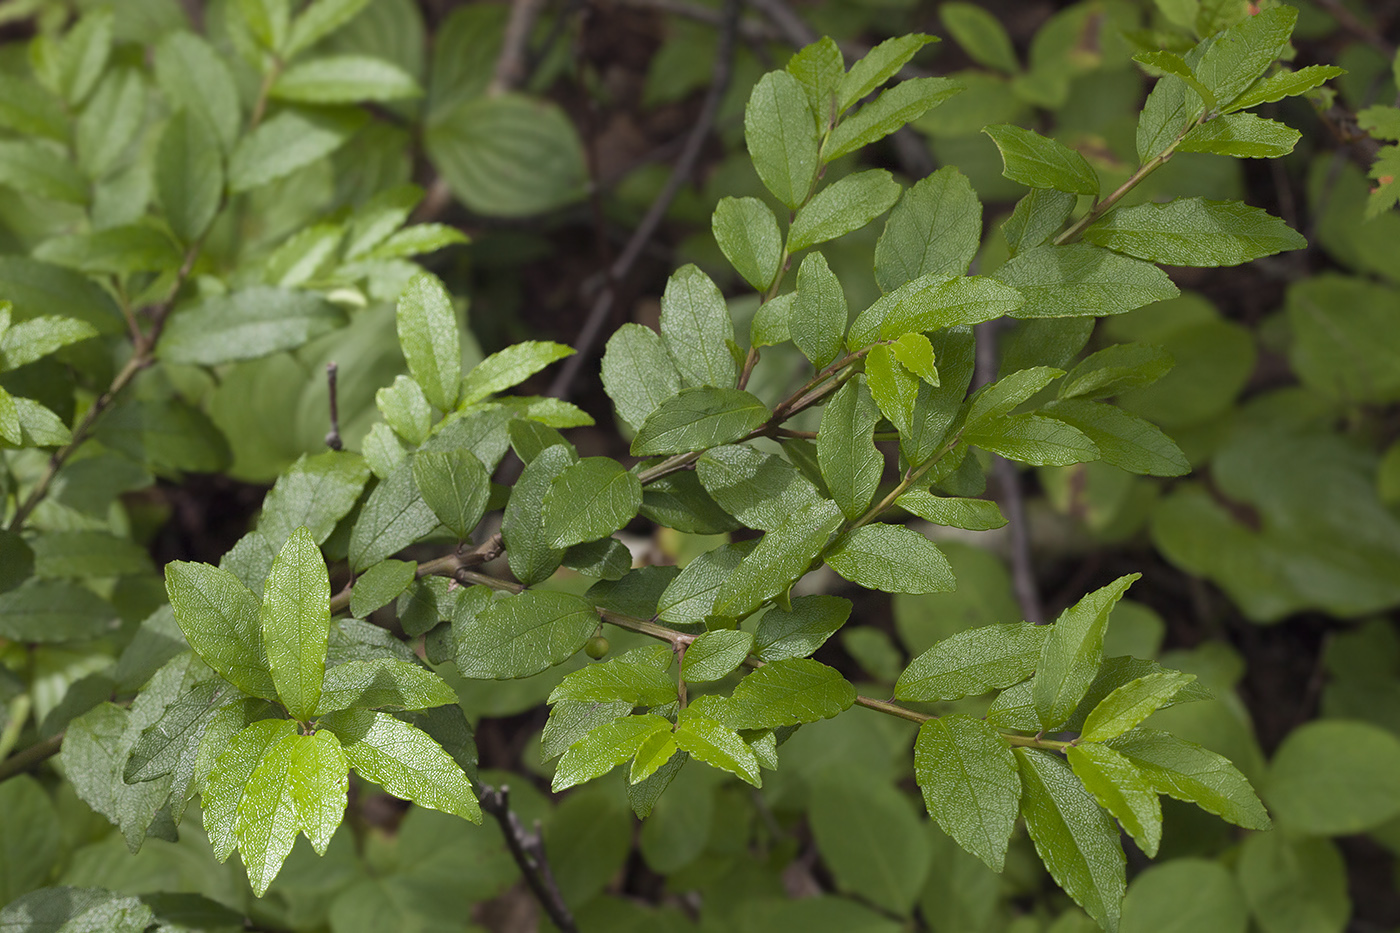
[393,517]
[246,325]
[878,66]
[190,175]
[193,77]
[935,229]
[633,682]
[761,490]
[1120,789]
[296,623]
[316,491]
[716,744]
[1116,369]
[1194,232]
[1188,772]
[36,338]
[525,634]
[696,328]
[638,373]
[787,692]
[318,20]
[781,132]
[820,67]
[589,500]
[344,79]
[747,234]
[1074,837]
[1072,653]
[715,654]
[981,36]
[780,559]
[895,107]
[531,555]
[1131,703]
[891,558]
[850,463]
[770,322]
[915,353]
[802,629]
[842,207]
[1079,280]
[220,619]
[1038,162]
[652,755]
[427,328]
[1241,54]
[404,760]
[1242,135]
[406,409]
[968,777]
[605,747]
[510,367]
[697,419]
[454,484]
[930,303]
[223,793]
[1126,441]
[1284,84]
[380,585]
[291,140]
[1001,397]
[972,662]
[968,514]
[817,315]
[690,596]
[382,683]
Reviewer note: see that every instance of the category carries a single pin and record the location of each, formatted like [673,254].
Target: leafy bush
[197,223]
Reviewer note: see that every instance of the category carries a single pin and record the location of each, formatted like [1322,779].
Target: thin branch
[33,755]
[793,28]
[685,165]
[1348,21]
[512,64]
[749,30]
[333,440]
[527,848]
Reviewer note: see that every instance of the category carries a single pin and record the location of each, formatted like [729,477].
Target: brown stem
[527,848]
[511,64]
[22,761]
[333,440]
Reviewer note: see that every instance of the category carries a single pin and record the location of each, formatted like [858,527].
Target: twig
[685,164]
[1348,21]
[794,29]
[31,756]
[749,31]
[527,848]
[512,62]
[333,435]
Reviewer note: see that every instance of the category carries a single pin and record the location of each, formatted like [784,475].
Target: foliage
[195,222]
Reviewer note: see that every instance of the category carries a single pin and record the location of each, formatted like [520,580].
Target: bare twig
[793,27]
[685,164]
[1348,21]
[512,64]
[333,435]
[527,848]
[33,755]
[749,30]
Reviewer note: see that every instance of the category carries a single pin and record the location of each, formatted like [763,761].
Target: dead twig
[527,848]
[333,440]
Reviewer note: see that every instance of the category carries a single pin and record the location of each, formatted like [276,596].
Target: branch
[527,848]
[31,756]
[685,165]
[512,65]
[333,440]
[749,31]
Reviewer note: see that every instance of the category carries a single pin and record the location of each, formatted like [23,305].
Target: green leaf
[850,463]
[393,517]
[590,499]
[31,109]
[63,909]
[1078,280]
[915,353]
[1074,837]
[1166,62]
[981,36]
[225,788]
[935,229]
[1120,789]
[787,692]
[344,79]
[532,557]
[1241,54]
[636,683]
[418,240]
[193,76]
[299,785]
[30,847]
[887,113]
[801,630]
[1039,162]
[569,721]
[652,755]
[1116,369]
[820,67]
[267,20]
[220,619]
[608,558]
[1014,708]
[770,322]
[36,338]
[189,175]
[316,491]
[716,744]
[87,554]
[1334,778]
[747,234]
[1131,703]
[508,155]
[381,683]
[817,315]
[891,558]
[699,418]
[696,328]
[296,623]
[780,559]
[967,514]
[455,486]
[291,140]
[782,136]
[39,426]
[1342,344]
[638,373]
[1194,232]
[968,777]
[115,251]
[713,655]
[525,634]
[1293,884]
[171,743]
[380,585]
[1242,135]
[972,662]
[246,325]
[1036,218]
[510,367]
[318,20]
[1073,652]
[605,747]
[1196,894]
[931,303]
[1188,772]
[761,490]
[432,345]
[1035,440]
[1001,397]
[1284,84]
[878,66]
[690,597]
[404,760]
[1126,441]
[842,207]
[110,121]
